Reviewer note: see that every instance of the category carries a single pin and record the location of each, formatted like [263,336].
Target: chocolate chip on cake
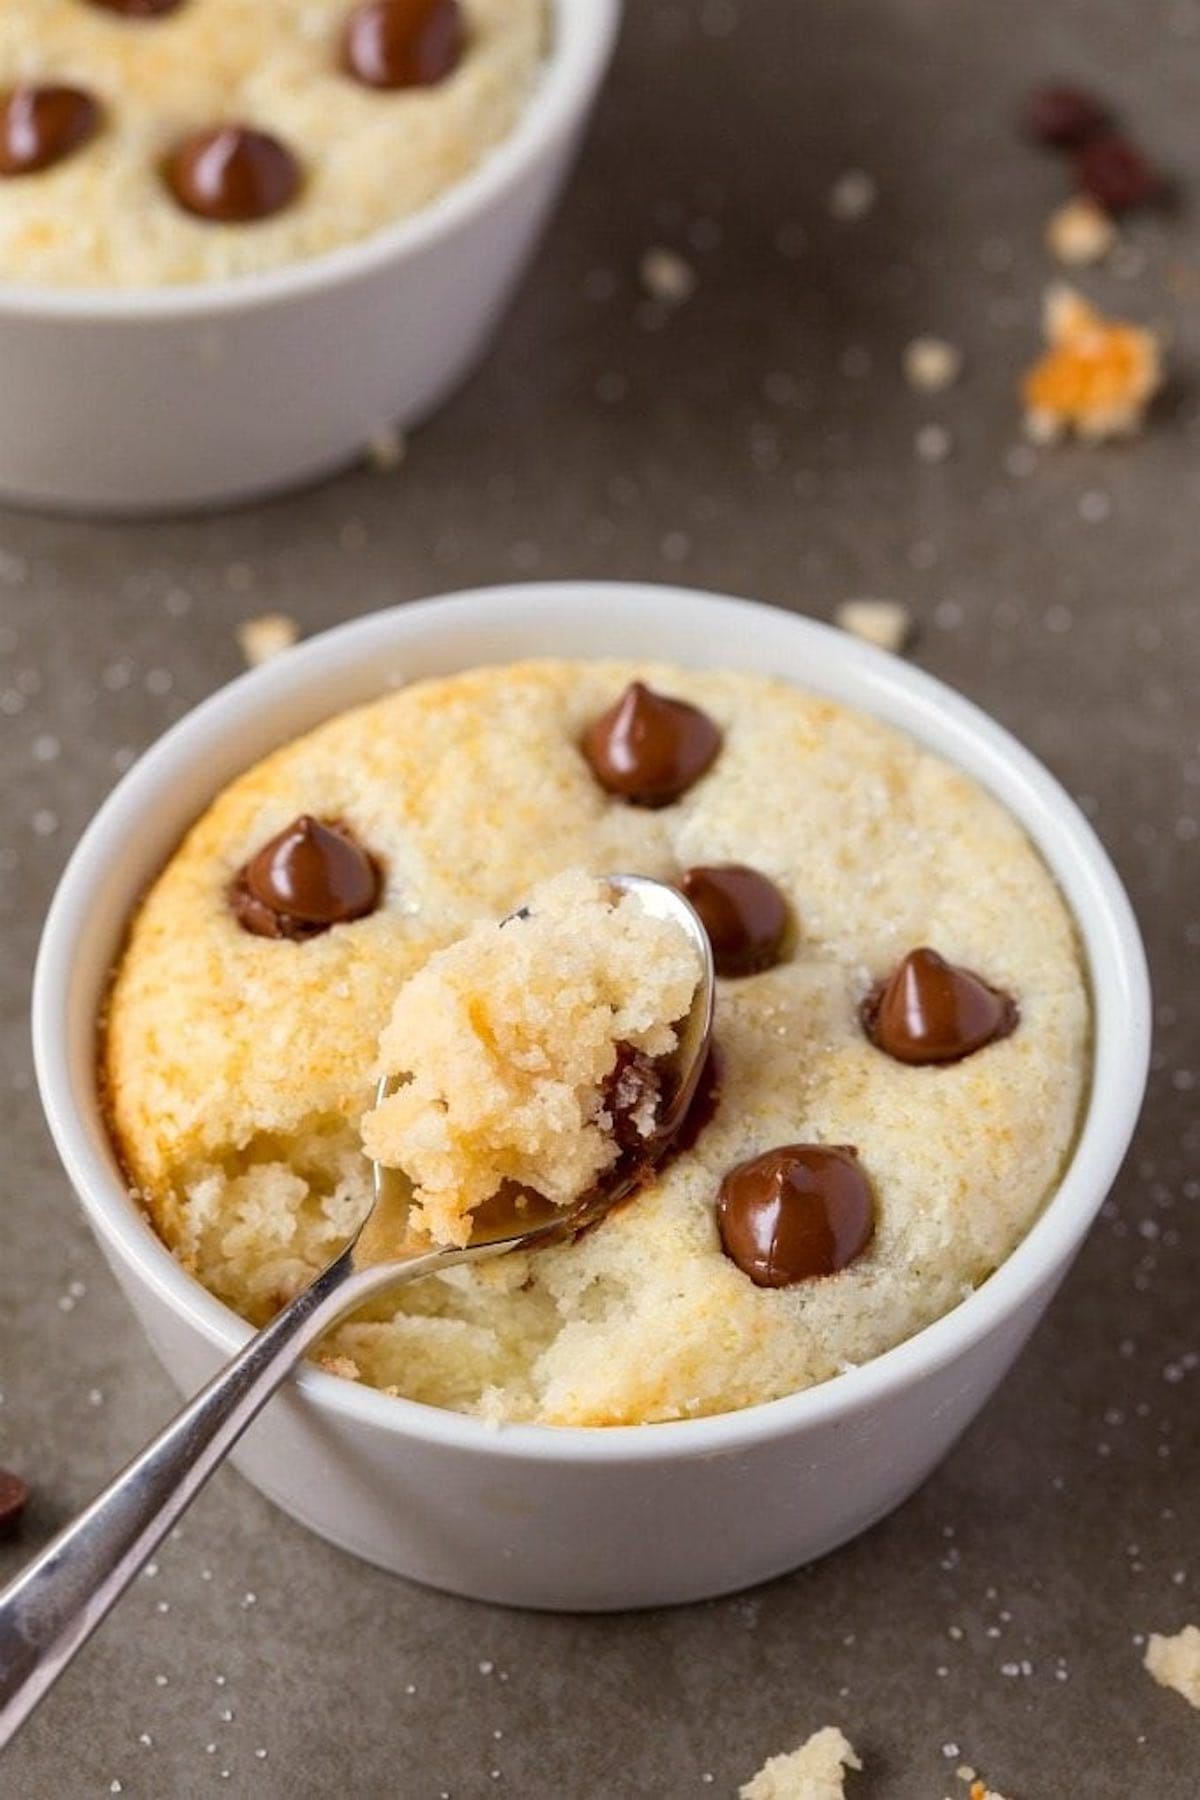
[1064,117]
[648,748]
[791,1214]
[139,9]
[403,43]
[744,914]
[232,175]
[14,1496]
[309,877]
[39,126]
[931,1011]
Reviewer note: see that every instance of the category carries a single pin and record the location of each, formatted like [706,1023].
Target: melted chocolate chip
[1116,175]
[794,1213]
[931,1011]
[403,43]
[232,175]
[648,748]
[308,878]
[1064,117]
[139,9]
[14,1496]
[39,126]
[744,914]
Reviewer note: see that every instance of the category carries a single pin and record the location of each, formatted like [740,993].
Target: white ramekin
[152,400]
[535,1515]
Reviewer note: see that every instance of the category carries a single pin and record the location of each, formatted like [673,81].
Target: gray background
[761,440]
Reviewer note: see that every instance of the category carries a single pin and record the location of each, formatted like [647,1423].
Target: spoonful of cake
[532,1076]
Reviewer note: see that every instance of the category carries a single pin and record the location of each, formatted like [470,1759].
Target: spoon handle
[52,1607]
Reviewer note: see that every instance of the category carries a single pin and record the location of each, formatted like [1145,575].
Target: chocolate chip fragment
[39,126]
[1064,117]
[139,9]
[403,43]
[744,914]
[648,748]
[794,1213]
[1116,174]
[232,175]
[13,1498]
[306,879]
[932,1011]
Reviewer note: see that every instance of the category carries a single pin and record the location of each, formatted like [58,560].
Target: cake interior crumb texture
[238,1069]
[503,1046]
[1174,1662]
[103,218]
[816,1771]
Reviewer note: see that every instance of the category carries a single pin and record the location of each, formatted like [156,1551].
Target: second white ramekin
[163,399]
[564,1518]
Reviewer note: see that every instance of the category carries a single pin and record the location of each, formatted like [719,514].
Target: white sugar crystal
[853,196]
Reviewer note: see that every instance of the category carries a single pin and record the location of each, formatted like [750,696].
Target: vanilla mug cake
[901,1037]
[146,143]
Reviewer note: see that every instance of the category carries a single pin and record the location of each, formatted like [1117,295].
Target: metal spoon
[50,1610]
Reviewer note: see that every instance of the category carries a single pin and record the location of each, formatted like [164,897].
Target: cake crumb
[1174,1662]
[816,1771]
[266,636]
[386,449]
[667,276]
[979,1790]
[931,364]
[885,623]
[1080,232]
[1097,378]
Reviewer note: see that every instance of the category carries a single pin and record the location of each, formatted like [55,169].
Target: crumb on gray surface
[266,636]
[885,623]
[931,364]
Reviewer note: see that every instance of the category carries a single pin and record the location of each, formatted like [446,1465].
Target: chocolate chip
[1064,117]
[744,914]
[648,748]
[138,9]
[309,877]
[403,43]
[931,1011]
[794,1213]
[232,175]
[13,1498]
[1116,175]
[40,126]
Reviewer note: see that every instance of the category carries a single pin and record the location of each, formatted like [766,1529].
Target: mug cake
[902,1036]
[146,143]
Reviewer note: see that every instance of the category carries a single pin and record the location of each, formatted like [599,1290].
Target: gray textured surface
[760,440]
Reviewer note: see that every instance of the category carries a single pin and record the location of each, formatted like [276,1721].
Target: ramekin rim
[584,32]
[1040,1257]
